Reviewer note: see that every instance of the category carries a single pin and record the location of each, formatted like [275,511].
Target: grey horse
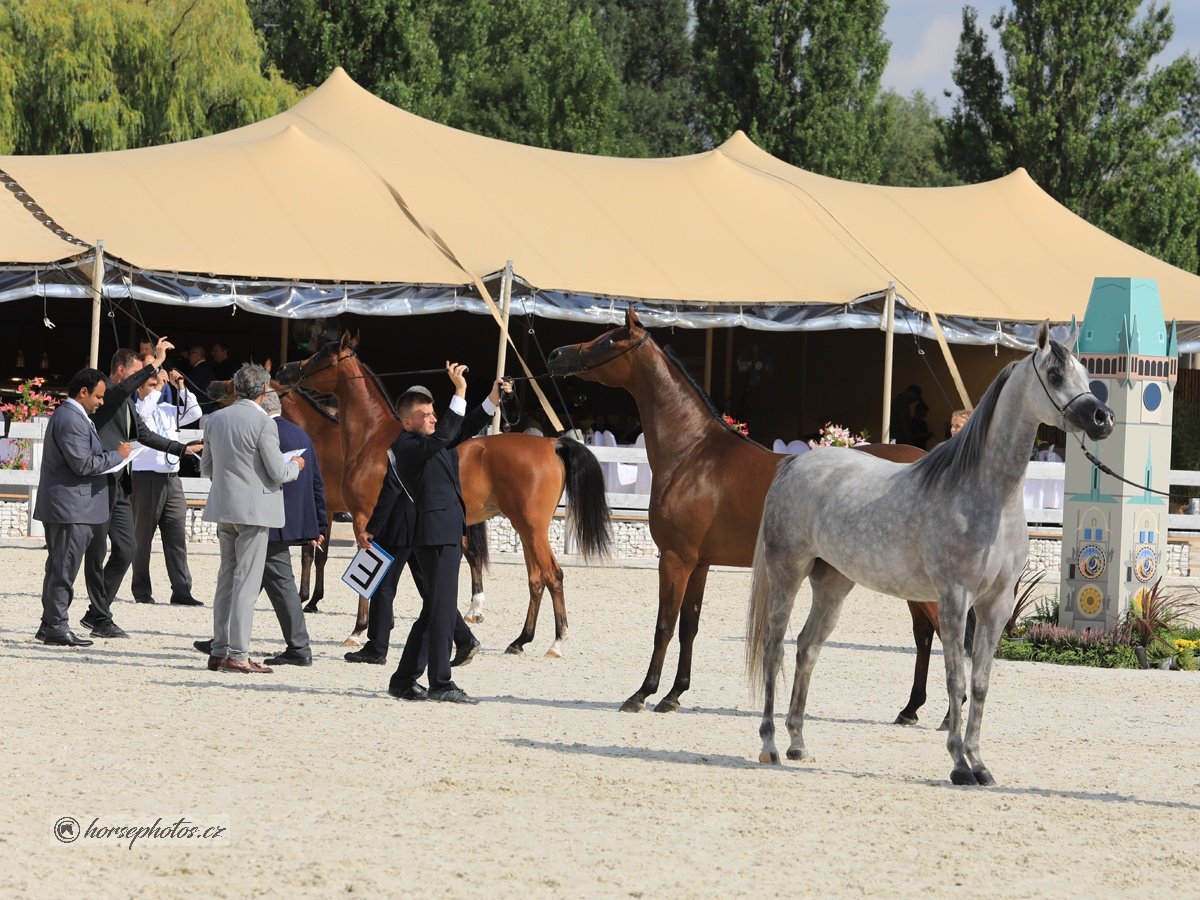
[948,528]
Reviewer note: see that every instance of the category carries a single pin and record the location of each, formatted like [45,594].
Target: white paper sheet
[135,451]
[289,455]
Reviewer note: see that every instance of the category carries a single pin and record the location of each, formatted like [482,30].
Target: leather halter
[604,362]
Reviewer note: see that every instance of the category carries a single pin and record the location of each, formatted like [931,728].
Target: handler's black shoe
[363,656]
[111,630]
[410,691]
[204,647]
[465,653]
[88,621]
[289,657]
[452,694]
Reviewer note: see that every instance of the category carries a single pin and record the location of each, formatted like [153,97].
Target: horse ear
[346,339]
[354,340]
[1043,338]
[631,318]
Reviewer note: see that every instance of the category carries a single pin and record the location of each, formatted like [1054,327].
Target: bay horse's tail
[477,546]
[587,508]
[757,616]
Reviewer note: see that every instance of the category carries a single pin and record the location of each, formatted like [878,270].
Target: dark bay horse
[949,527]
[321,425]
[519,476]
[706,496]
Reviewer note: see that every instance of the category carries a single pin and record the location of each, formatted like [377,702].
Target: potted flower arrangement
[838,436]
[29,404]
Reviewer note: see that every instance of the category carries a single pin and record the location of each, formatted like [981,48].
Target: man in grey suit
[242,457]
[73,498]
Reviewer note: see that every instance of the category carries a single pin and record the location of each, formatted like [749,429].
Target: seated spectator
[918,427]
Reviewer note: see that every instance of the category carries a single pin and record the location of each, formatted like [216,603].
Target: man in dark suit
[393,526]
[118,421]
[73,498]
[426,466]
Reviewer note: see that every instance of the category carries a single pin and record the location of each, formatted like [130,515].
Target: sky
[924,36]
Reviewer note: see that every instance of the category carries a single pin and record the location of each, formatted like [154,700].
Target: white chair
[797,447]
[644,475]
[779,446]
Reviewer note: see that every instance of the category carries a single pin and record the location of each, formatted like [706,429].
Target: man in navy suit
[73,498]
[426,467]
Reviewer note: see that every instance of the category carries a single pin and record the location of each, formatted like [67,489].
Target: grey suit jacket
[242,457]
[71,489]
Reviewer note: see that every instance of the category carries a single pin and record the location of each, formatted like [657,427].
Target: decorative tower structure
[1114,537]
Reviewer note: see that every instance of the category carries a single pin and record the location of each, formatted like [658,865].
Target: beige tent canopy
[347,203]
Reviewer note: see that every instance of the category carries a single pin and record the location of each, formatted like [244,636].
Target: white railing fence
[626,481]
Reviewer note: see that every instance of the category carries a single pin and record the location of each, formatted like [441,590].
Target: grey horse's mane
[704,398]
[958,457]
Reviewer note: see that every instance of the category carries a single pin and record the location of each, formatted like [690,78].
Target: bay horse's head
[1065,396]
[320,371]
[221,391]
[607,359]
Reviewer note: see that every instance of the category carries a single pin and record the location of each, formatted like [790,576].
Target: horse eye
[1055,376]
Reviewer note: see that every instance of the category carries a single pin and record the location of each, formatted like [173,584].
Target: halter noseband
[304,373]
[604,362]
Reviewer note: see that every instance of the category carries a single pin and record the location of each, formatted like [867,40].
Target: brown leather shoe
[214,663]
[246,667]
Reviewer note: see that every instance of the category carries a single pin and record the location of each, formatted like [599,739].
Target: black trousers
[104,578]
[434,627]
[159,504]
[66,546]
[381,612]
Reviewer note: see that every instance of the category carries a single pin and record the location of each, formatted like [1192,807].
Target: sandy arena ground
[328,786]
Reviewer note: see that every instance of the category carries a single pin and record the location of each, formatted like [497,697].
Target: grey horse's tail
[757,615]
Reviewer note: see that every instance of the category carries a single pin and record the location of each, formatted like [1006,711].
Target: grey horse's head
[1068,397]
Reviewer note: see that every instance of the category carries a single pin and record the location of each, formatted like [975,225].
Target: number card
[366,570]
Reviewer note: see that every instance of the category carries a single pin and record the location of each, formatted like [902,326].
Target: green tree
[912,155]
[80,76]
[531,71]
[648,44]
[800,77]
[1077,103]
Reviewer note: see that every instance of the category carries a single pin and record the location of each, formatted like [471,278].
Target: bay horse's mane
[959,457]
[717,415]
[315,403]
[335,347]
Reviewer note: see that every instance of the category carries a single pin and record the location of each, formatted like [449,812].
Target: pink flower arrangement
[839,436]
[739,427]
[30,404]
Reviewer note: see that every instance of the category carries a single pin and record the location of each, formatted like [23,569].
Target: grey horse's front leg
[991,614]
[952,612]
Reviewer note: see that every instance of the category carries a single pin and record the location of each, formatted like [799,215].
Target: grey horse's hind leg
[952,611]
[783,580]
[830,588]
[991,614]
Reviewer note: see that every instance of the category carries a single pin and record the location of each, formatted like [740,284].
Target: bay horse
[519,476]
[950,527]
[321,425]
[708,485]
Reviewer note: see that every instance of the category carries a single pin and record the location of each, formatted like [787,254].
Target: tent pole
[502,352]
[283,342]
[728,370]
[889,327]
[708,359]
[97,289]
[950,364]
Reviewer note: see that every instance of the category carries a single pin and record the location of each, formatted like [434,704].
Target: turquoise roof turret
[1114,311]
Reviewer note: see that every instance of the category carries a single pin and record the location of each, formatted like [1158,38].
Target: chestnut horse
[520,476]
[708,487]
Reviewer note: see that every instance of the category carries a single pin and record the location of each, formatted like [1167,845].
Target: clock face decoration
[1145,564]
[1090,601]
[1092,561]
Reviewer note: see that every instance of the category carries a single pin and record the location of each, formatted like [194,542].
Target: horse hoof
[633,704]
[769,758]
[472,620]
[667,704]
[945,726]
[514,649]
[553,654]
[798,753]
[963,775]
[311,607]
[983,776]
[349,642]
[902,719]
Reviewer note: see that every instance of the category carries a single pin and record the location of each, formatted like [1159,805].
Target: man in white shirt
[158,500]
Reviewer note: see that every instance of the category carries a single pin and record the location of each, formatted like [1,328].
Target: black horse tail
[587,507]
[477,546]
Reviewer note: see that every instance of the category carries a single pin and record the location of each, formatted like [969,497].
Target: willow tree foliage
[800,77]
[81,76]
[1078,99]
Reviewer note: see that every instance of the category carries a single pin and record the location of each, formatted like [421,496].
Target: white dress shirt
[164,419]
